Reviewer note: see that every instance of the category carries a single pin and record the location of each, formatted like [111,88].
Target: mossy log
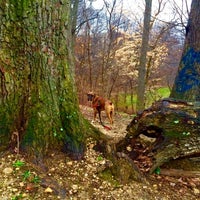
[175,126]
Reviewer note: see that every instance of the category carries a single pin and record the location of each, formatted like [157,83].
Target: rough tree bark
[187,82]
[39,106]
[174,124]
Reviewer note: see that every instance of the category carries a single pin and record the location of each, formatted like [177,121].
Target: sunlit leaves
[127,55]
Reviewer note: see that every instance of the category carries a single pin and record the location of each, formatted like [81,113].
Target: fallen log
[174,124]
[179,173]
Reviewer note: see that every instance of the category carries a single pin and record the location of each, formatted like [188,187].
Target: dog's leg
[99,111]
[109,115]
[95,114]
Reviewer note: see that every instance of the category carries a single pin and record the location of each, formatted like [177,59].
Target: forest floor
[67,179]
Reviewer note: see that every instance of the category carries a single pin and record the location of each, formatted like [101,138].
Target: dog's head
[90,96]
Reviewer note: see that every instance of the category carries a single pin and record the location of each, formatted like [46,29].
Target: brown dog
[99,104]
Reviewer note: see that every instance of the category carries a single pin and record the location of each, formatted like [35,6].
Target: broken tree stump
[174,124]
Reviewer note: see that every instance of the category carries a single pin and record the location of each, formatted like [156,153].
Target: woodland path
[118,129]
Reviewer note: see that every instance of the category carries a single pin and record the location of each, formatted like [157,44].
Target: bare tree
[144,49]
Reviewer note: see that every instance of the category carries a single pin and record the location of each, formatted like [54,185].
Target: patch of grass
[127,103]
[157,170]
[26,175]
[36,180]
[17,197]
[99,158]
[163,92]
[157,94]
[18,163]
[30,177]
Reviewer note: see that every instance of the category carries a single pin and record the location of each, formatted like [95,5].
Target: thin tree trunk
[143,55]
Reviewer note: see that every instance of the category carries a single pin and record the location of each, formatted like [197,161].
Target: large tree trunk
[39,110]
[187,83]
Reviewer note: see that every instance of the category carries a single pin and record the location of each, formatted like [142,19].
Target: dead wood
[174,125]
[179,173]
[135,172]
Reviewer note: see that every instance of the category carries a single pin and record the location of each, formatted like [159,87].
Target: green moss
[43,106]
[106,175]
[177,135]
[6,121]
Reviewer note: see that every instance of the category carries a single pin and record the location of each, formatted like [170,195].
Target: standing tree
[187,82]
[39,106]
[144,49]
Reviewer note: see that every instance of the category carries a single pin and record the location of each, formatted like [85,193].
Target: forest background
[109,35]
